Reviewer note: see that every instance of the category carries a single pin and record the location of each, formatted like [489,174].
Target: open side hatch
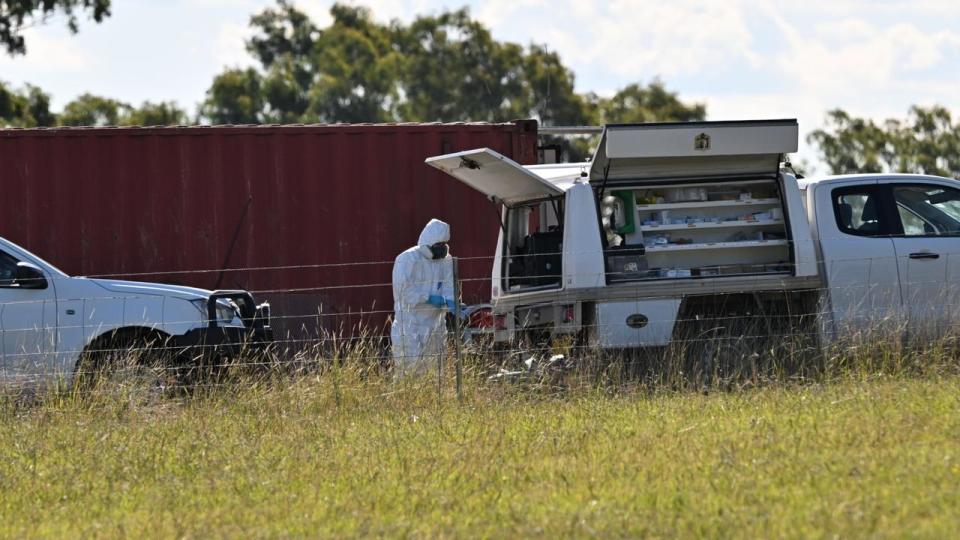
[495,175]
[692,150]
[694,199]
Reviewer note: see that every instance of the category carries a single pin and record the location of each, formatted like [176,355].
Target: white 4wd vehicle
[50,321]
[685,230]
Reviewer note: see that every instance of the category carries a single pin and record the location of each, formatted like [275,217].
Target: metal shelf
[708,204]
[710,225]
[715,245]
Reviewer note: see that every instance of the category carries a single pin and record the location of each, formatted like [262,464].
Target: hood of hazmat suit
[419,328]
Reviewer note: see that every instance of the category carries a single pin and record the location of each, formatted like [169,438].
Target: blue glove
[436,300]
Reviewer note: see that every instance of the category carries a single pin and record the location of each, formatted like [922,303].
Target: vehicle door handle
[924,255]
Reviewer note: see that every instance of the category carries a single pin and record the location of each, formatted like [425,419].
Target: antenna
[545,117]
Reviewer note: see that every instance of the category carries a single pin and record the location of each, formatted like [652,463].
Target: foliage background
[347,66]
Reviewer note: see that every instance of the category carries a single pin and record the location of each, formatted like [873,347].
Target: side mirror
[29,276]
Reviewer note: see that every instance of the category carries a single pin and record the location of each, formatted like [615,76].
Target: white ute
[49,320]
[673,227]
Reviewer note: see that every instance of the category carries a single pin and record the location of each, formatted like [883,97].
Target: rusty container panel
[309,217]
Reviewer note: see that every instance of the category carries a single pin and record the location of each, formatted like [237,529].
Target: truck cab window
[858,211]
[928,210]
[534,244]
[8,269]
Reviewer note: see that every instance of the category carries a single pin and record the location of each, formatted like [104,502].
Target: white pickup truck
[673,227]
[51,321]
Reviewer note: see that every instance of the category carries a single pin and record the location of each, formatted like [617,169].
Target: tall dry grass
[860,441]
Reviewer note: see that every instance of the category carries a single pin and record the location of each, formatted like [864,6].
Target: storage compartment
[542,261]
[534,246]
[635,323]
[701,229]
[628,262]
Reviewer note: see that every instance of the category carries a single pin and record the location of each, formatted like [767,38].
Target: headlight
[227,310]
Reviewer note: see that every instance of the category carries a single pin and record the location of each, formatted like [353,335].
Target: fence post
[457,328]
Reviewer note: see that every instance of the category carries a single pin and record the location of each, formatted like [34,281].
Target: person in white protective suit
[422,295]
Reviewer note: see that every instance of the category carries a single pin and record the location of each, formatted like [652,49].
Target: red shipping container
[308,217]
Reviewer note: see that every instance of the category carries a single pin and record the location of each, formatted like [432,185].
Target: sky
[744,59]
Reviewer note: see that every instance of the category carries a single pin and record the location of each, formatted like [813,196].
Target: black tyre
[127,360]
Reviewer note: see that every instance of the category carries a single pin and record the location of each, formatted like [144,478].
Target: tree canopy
[93,110]
[30,107]
[653,103]
[927,142]
[27,107]
[17,15]
[440,68]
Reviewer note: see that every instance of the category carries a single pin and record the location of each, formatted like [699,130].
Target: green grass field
[866,456]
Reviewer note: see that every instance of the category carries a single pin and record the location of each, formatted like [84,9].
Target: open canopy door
[692,150]
[496,176]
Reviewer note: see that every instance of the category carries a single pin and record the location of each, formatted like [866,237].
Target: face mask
[439,251]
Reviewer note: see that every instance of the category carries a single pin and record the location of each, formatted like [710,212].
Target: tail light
[500,322]
[481,318]
[569,314]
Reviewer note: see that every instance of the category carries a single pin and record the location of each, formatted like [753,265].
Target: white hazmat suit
[419,328]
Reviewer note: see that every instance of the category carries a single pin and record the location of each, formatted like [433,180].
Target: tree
[850,145]
[927,142]
[552,97]
[453,70]
[284,46]
[165,113]
[654,103]
[343,73]
[354,70]
[235,98]
[441,68]
[17,15]
[284,31]
[91,110]
[29,107]
[38,108]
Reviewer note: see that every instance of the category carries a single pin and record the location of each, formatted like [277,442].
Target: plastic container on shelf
[685,194]
[705,271]
[675,272]
[723,195]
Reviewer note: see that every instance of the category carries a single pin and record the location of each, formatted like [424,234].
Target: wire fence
[691,326]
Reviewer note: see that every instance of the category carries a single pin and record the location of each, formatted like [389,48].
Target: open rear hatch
[532,243]
[498,177]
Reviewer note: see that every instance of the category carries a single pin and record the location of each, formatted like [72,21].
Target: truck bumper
[222,341]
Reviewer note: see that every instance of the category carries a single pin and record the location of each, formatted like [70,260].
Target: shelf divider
[708,204]
[715,245]
[709,225]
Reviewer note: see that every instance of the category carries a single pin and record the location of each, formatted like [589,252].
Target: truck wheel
[129,360]
[718,355]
